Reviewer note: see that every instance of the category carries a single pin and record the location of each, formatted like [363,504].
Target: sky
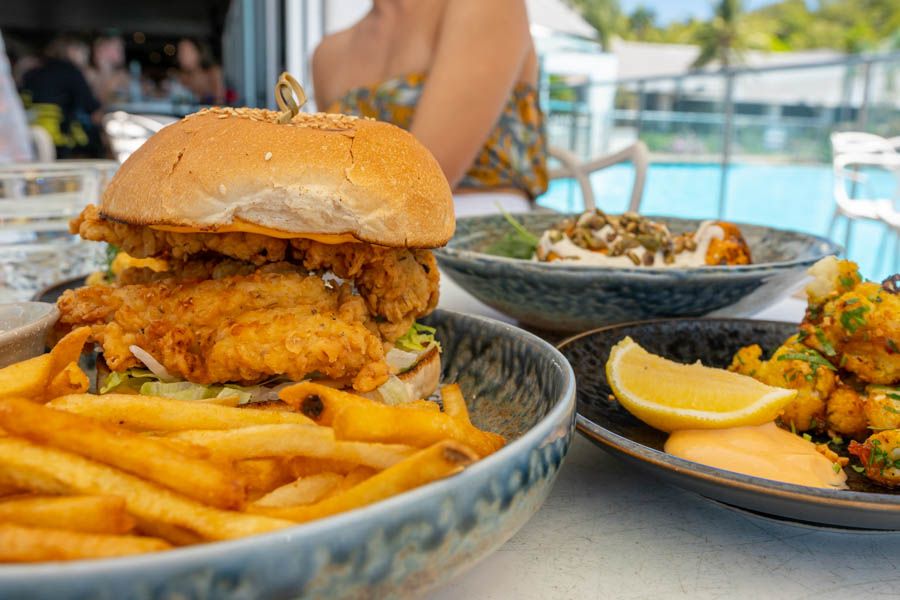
[679,10]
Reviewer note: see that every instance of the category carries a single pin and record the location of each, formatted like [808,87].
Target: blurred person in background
[198,73]
[107,75]
[15,141]
[61,100]
[461,75]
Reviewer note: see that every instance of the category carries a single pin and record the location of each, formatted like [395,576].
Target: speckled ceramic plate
[515,384]
[573,297]
[714,342]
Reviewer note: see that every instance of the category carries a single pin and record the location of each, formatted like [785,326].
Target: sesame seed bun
[319,174]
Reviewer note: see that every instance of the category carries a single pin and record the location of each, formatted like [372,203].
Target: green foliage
[782,26]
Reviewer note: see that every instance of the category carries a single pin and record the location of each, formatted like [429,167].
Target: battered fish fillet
[398,285]
[241,328]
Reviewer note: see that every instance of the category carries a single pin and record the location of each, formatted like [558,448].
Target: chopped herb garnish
[837,440]
[851,301]
[893,346]
[810,356]
[836,467]
[793,428]
[807,437]
[843,360]
[852,320]
[827,348]
[847,282]
[519,243]
[857,468]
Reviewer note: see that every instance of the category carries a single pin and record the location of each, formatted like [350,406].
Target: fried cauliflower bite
[880,457]
[859,331]
[882,407]
[793,366]
[730,250]
[845,411]
[242,328]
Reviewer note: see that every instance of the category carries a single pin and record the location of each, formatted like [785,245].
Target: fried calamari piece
[858,331]
[730,250]
[239,328]
[396,283]
[793,366]
[142,242]
[880,457]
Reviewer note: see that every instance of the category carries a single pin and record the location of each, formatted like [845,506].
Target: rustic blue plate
[572,297]
[515,383]
[714,342]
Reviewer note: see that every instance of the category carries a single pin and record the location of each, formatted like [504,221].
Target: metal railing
[722,114]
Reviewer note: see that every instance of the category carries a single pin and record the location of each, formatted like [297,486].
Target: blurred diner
[461,76]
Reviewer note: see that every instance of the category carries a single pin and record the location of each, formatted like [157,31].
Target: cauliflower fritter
[846,415]
[880,457]
[859,331]
[797,367]
[881,407]
[242,328]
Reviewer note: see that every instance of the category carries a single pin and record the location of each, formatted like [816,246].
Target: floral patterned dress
[514,155]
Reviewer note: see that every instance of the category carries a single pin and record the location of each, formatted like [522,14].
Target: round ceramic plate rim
[650,271]
[210,551]
[712,475]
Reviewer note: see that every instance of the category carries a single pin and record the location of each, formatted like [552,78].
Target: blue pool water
[785,196]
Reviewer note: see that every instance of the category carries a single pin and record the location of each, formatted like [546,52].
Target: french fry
[149,413]
[88,514]
[68,349]
[455,403]
[305,490]
[145,500]
[147,457]
[292,440]
[26,379]
[37,544]
[355,477]
[435,462]
[421,404]
[388,424]
[319,402]
[262,475]
[304,466]
[175,535]
[70,380]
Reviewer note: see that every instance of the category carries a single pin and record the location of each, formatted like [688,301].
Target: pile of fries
[88,476]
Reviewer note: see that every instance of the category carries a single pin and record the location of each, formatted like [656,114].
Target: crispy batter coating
[846,415]
[397,284]
[859,331]
[242,328]
[792,366]
[882,407]
[880,456]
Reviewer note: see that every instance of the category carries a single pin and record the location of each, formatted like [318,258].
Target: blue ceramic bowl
[573,297]
[515,383]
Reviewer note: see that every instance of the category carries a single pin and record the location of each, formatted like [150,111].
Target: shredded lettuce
[418,339]
[129,378]
[185,390]
[394,391]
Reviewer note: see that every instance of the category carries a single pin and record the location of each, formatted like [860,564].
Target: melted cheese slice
[241,226]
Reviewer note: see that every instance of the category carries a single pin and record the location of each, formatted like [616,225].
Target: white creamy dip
[566,249]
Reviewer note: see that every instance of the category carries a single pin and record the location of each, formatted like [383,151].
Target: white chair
[845,168]
[42,142]
[891,217]
[573,168]
[860,142]
[127,132]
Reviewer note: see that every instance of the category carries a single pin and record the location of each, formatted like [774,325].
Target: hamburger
[281,251]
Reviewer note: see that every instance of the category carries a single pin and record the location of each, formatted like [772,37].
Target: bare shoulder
[506,11]
[331,52]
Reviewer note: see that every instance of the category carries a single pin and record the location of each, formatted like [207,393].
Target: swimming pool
[784,196]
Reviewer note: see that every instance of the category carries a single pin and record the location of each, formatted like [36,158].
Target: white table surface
[609,531]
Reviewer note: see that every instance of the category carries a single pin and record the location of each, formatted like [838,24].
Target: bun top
[319,174]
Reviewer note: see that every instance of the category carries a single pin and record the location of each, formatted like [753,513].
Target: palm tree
[641,21]
[722,39]
[604,15]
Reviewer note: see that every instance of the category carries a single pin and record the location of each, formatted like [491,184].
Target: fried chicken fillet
[254,276]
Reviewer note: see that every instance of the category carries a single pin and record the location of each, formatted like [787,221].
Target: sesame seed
[268,155]
[222,189]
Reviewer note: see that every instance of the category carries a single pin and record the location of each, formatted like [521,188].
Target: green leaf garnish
[417,338]
[827,348]
[852,320]
[519,243]
[809,356]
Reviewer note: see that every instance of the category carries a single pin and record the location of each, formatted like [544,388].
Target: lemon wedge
[669,396]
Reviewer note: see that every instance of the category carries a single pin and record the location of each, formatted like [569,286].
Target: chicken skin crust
[240,328]
[398,285]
